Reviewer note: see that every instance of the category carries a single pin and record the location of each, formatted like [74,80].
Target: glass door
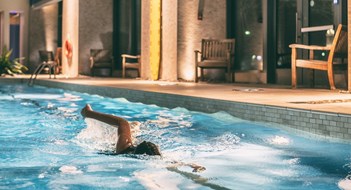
[246,23]
[248,35]
[127,29]
[294,15]
[286,31]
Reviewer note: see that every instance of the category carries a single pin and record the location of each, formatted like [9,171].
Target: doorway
[15,34]
[246,23]
[293,17]
[126,29]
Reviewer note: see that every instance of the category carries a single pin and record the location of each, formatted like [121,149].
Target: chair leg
[331,79]
[123,72]
[202,73]
[196,79]
[293,68]
[54,71]
[293,77]
[50,71]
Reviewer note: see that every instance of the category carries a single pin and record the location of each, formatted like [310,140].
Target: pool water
[46,144]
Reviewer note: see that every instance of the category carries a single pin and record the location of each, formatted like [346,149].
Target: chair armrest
[130,56]
[312,47]
[91,62]
[197,52]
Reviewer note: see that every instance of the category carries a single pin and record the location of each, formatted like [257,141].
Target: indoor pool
[46,144]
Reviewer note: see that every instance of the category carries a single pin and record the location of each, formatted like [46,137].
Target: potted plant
[8,66]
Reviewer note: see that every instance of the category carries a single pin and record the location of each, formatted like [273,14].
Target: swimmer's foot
[86,109]
[195,167]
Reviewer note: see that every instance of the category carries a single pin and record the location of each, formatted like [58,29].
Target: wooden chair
[337,49]
[101,59]
[215,54]
[130,62]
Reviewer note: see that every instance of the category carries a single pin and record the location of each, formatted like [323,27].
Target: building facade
[263,30]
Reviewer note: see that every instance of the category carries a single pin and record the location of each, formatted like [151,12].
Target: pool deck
[317,111]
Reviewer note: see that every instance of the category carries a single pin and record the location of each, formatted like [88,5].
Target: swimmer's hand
[85,110]
[196,168]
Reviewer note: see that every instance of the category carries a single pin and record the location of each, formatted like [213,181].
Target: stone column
[70,33]
[349,44]
[145,39]
[169,41]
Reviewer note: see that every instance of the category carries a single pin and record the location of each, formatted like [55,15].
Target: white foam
[157,180]
[37,96]
[60,142]
[292,161]
[226,117]
[70,97]
[279,140]
[6,97]
[98,136]
[70,170]
[41,176]
[345,184]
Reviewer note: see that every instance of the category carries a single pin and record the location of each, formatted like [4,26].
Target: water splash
[98,136]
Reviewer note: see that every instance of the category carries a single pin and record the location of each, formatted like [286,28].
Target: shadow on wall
[106,40]
[96,41]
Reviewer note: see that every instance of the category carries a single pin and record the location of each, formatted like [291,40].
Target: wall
[95,29]
[21,6]
[42,32]
[191,31]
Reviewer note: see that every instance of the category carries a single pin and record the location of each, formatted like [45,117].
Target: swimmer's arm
[106,118]
[124,133]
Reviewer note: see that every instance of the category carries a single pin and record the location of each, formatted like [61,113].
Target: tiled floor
[303,98]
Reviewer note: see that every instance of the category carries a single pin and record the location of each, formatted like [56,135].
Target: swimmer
[124,143]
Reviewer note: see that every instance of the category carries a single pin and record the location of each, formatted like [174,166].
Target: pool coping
[327,125]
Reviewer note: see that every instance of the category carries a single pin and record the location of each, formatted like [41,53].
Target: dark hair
[148,148]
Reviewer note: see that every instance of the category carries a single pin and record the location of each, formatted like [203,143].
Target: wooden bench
[215,54]
[338,49]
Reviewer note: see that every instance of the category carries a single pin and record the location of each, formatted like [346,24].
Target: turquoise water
[46,144]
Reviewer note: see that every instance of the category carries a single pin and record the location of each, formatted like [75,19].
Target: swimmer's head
[148,148]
